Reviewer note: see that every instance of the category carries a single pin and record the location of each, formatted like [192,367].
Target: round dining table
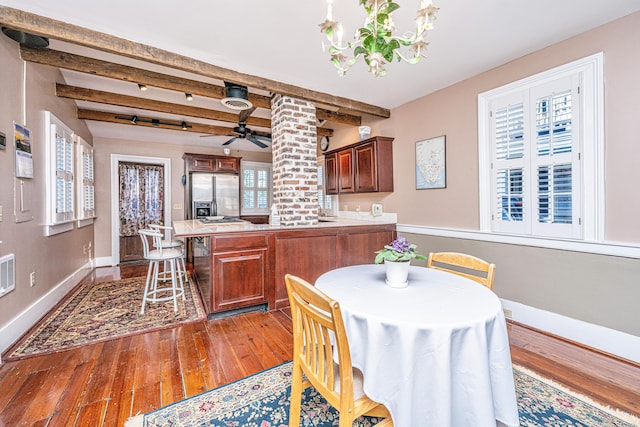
[435,353]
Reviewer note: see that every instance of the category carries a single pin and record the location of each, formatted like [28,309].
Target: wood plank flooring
[106,383]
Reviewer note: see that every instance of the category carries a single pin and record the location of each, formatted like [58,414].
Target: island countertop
[194,227]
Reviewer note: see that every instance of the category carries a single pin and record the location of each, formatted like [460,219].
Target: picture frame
[431,165]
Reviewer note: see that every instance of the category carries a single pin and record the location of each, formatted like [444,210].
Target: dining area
[434,352]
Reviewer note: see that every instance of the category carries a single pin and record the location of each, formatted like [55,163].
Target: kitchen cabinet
[210,163]
[363,167]
[237,271]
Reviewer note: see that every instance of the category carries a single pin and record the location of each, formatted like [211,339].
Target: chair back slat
[463,265]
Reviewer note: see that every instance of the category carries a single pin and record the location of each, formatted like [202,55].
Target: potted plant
[397,257]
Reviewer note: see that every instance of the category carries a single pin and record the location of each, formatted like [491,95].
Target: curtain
[141,196]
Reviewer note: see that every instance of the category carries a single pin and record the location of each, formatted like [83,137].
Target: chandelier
[376,40]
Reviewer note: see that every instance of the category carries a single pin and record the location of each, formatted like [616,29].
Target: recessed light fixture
[188,96]
[142,87]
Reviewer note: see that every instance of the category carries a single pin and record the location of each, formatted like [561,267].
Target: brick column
[295,174]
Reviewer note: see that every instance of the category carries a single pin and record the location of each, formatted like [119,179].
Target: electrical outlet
[376,209]
[0,213]
[358,208]
[507,313]
[32,279]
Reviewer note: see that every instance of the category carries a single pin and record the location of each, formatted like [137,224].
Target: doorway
[140,195]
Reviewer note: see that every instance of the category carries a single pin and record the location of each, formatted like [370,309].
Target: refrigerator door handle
[214,202]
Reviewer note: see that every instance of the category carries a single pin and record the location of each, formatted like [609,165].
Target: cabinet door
[227,164]
[239,279]
[366,172]
[345,171]
[359,247]
[203,164]
[331,173]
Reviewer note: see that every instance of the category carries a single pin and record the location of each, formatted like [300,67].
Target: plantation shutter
[64,195]
[86,185]
[535,165]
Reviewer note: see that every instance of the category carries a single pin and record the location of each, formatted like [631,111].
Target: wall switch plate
[32,279]
[508,314]
[376,209]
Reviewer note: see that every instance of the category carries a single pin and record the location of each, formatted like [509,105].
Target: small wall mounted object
[431,163]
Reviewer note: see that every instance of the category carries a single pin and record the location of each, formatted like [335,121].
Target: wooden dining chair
[463,265]
[316,318]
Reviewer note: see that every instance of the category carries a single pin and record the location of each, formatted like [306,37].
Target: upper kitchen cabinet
[211,163]
[364,167]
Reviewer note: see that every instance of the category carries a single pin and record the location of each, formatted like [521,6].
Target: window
[86,187]
[256,188]
[327,204]
[540,142]
[60,175]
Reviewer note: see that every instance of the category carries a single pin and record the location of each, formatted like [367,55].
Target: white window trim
[592,127]
[254,166]
[54,226]
[83,217]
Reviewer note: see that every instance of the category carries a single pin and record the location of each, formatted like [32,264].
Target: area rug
[262,400]
[103,311]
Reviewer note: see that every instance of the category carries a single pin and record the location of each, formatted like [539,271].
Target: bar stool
[171,244]
[155,256]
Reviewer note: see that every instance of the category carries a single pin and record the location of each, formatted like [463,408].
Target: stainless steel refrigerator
[220,191]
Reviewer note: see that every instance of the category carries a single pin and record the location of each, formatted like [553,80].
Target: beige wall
[453,112]
[52,258]
[597,289]
[104,148]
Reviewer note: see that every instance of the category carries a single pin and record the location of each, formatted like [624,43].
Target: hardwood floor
[106,383]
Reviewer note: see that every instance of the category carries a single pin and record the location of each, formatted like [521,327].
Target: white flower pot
[397,274]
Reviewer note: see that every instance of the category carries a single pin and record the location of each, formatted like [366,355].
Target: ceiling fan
[245,133]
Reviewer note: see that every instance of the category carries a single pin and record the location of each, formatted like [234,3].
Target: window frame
[591,127]
[322,189]
[256,166]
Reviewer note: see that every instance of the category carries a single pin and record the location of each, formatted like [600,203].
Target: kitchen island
[239,267]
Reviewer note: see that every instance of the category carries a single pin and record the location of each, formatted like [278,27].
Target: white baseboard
[105,261]
[16,327]
[609,340]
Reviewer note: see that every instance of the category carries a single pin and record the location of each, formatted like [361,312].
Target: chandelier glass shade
[376,41]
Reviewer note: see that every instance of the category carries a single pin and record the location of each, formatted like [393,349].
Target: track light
[154,122]
[188,96]
[142,87]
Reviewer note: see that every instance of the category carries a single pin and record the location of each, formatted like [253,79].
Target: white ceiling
[280,40]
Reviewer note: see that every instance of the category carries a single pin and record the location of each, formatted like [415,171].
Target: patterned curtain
[141,196]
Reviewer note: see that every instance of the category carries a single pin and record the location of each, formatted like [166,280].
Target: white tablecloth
[435,353]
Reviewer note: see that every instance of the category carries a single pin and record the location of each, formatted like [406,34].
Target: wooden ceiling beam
[83,64]
[58,30]
[102,97]
[104,116]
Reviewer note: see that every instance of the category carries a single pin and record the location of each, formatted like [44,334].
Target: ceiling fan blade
[262,137]
[258,143]
[229,141]
[244,114]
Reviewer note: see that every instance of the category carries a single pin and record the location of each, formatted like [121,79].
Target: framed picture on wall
[431,163]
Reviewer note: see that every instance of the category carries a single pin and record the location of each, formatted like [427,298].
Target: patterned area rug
[104,311]
[262,400]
